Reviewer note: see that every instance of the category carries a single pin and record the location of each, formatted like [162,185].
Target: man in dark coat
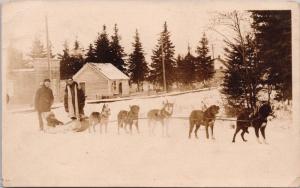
[43,101]
[74,100]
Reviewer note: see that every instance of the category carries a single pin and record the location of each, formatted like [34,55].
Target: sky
[83,20]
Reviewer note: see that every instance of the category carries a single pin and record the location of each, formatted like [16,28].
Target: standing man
[43,102]
[74,100]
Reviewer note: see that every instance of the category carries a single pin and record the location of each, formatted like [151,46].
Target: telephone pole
[48,50]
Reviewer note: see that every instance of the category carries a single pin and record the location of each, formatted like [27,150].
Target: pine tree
[71,62]
[90,55]
[178,70]
[204,67]
[65,72]
[102,48]
[242,81]
[117,51]
[273,38]
[137,65]
[186,69]
[38,50]
[156,72]
[76,59]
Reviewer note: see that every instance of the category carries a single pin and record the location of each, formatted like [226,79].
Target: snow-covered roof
[23,70]
[110,71]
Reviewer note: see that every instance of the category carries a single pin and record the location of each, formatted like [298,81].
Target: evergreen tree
[242,81]
[65,72]
[179,73]
[156,72]
[273,38]
[204,66]
[117,51]
[38,50]
[76,59]
[186,68]
[71,62]
[137,65]
[90,55]
[102,48]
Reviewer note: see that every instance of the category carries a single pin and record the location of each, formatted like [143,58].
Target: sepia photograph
[149,93]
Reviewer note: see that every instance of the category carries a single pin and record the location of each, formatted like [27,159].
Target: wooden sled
[79,125]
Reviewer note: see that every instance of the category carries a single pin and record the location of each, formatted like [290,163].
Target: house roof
[108,70]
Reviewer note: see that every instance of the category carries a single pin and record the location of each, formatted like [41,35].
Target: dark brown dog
[129,118]
[205,118]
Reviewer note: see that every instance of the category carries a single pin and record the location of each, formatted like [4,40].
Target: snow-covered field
[32,158]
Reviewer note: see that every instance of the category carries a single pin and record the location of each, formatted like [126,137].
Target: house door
[120,88]
[82,85]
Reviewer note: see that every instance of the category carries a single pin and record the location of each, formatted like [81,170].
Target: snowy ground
[32,158]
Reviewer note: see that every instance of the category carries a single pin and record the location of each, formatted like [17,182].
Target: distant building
[145,86]
[23,83]
[219,63]
[220,67]
[102,80]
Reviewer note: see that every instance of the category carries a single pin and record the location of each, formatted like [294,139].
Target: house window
[114,85]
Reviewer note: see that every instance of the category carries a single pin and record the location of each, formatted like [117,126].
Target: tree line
[257,62]
[183,70]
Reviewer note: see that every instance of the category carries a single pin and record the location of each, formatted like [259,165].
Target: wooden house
[102,80]
[22,84]
[220,66]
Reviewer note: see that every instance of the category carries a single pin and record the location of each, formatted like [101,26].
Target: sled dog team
[205,117]
[130,118]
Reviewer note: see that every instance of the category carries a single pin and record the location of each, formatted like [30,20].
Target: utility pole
[48,50]
[163,65]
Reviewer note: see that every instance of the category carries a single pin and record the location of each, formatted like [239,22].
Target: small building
[22,84]
[220,67]
[219,63]
[102,80]
[145,86]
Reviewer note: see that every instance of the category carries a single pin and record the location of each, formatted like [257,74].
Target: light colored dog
[100,118]
[162,116]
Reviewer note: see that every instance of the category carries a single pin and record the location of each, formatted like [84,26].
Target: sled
[79,125]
